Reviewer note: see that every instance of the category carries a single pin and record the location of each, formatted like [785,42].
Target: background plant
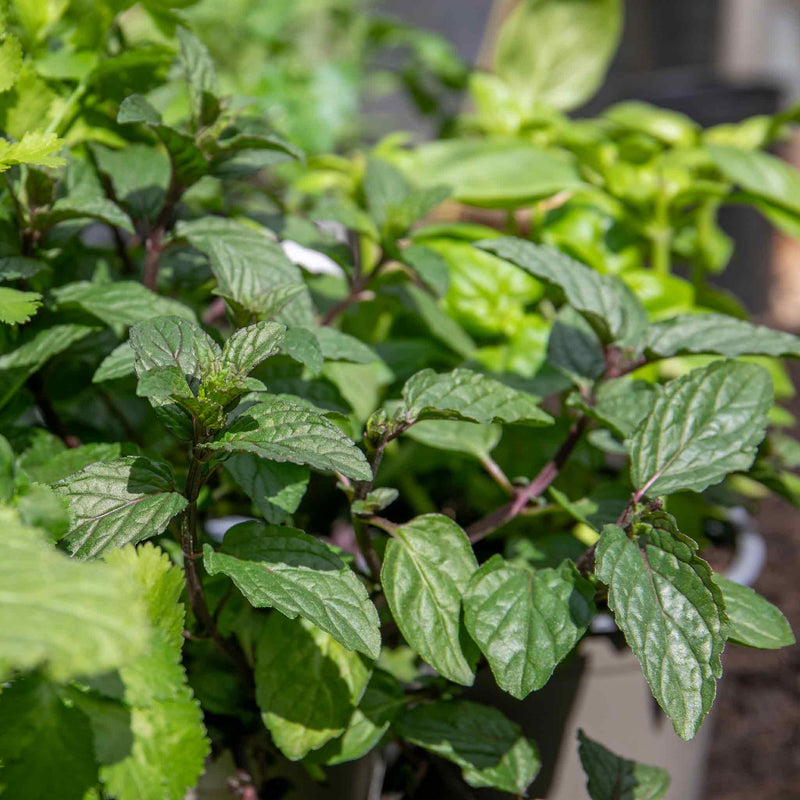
[453,447]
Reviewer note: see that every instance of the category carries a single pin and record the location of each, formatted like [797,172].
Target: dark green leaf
[276,489]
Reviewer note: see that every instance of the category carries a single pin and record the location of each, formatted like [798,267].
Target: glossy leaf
[307,685]
[278,430]
[702,427]
[297,574]
[490,750]
[466,395]
[426,569]
[605,301]
[671,612]
[612,777]
[719,334]
[251,345]
[114,503]
[119,363]
[526,622]
[754,621]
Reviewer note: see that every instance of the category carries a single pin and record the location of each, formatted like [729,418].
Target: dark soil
[755,750]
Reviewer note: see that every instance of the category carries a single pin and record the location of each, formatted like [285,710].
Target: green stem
[661,239]
[61,124]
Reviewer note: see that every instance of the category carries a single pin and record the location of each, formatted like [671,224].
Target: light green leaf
[46,747]
[197,66]
[17,307]
[302,345]
[612,777]
[441,326]
[385,188]
[249,267]
[295,573]
[671,127]
[466,395]
[526,622]
[10,61]
[671,612]
[720,334]
[278,430]
[556,52]
[169,742]
[114,503]
[67,618]
[762,174]
[490,749]
[702,427]
[457,437]
[754,621]
[606,302]
[276,489]
[380,704]
[307,685]
[494,173]
[426,569]
[338,346]
[119,363]
[121,303]
[249,346]
[375,501]
[35,147]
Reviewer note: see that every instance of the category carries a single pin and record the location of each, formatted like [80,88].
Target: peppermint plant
[272,494]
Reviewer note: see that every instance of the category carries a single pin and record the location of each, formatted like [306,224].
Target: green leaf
[67,618]
[470,396]
[612,777]
[457,437]
[114,503]
[295,573]
[119,363]
[46,747]
[720,334]
[385,188]
[165,383]
[431,267]
[136,109]
[760,173]
[671,127]
[671,612]
[307,685]
[754,621]
[10,61]
[607,303]
[375,501]
[494,173]
[302,345]
[702,427]
[121,303]
[556,52]
[35,148]
[338,346]
[51,468]
[276,489]
[248,266]
[600,507]
[526,622]
[169,742]
[441,326]
[17,365]
[249,346]
[12,268]
[489,748]
[620,404]
[278,430]
[573,347]
[17,307]
[197,66]
[426,569]
[382,700]
[83,206]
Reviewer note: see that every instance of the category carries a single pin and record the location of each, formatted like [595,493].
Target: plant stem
[548,473]
[194,584]
[154,241]
[496,471]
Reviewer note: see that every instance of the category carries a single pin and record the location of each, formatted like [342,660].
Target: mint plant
[446,451]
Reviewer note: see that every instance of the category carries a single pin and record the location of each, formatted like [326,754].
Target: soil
[755,750]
